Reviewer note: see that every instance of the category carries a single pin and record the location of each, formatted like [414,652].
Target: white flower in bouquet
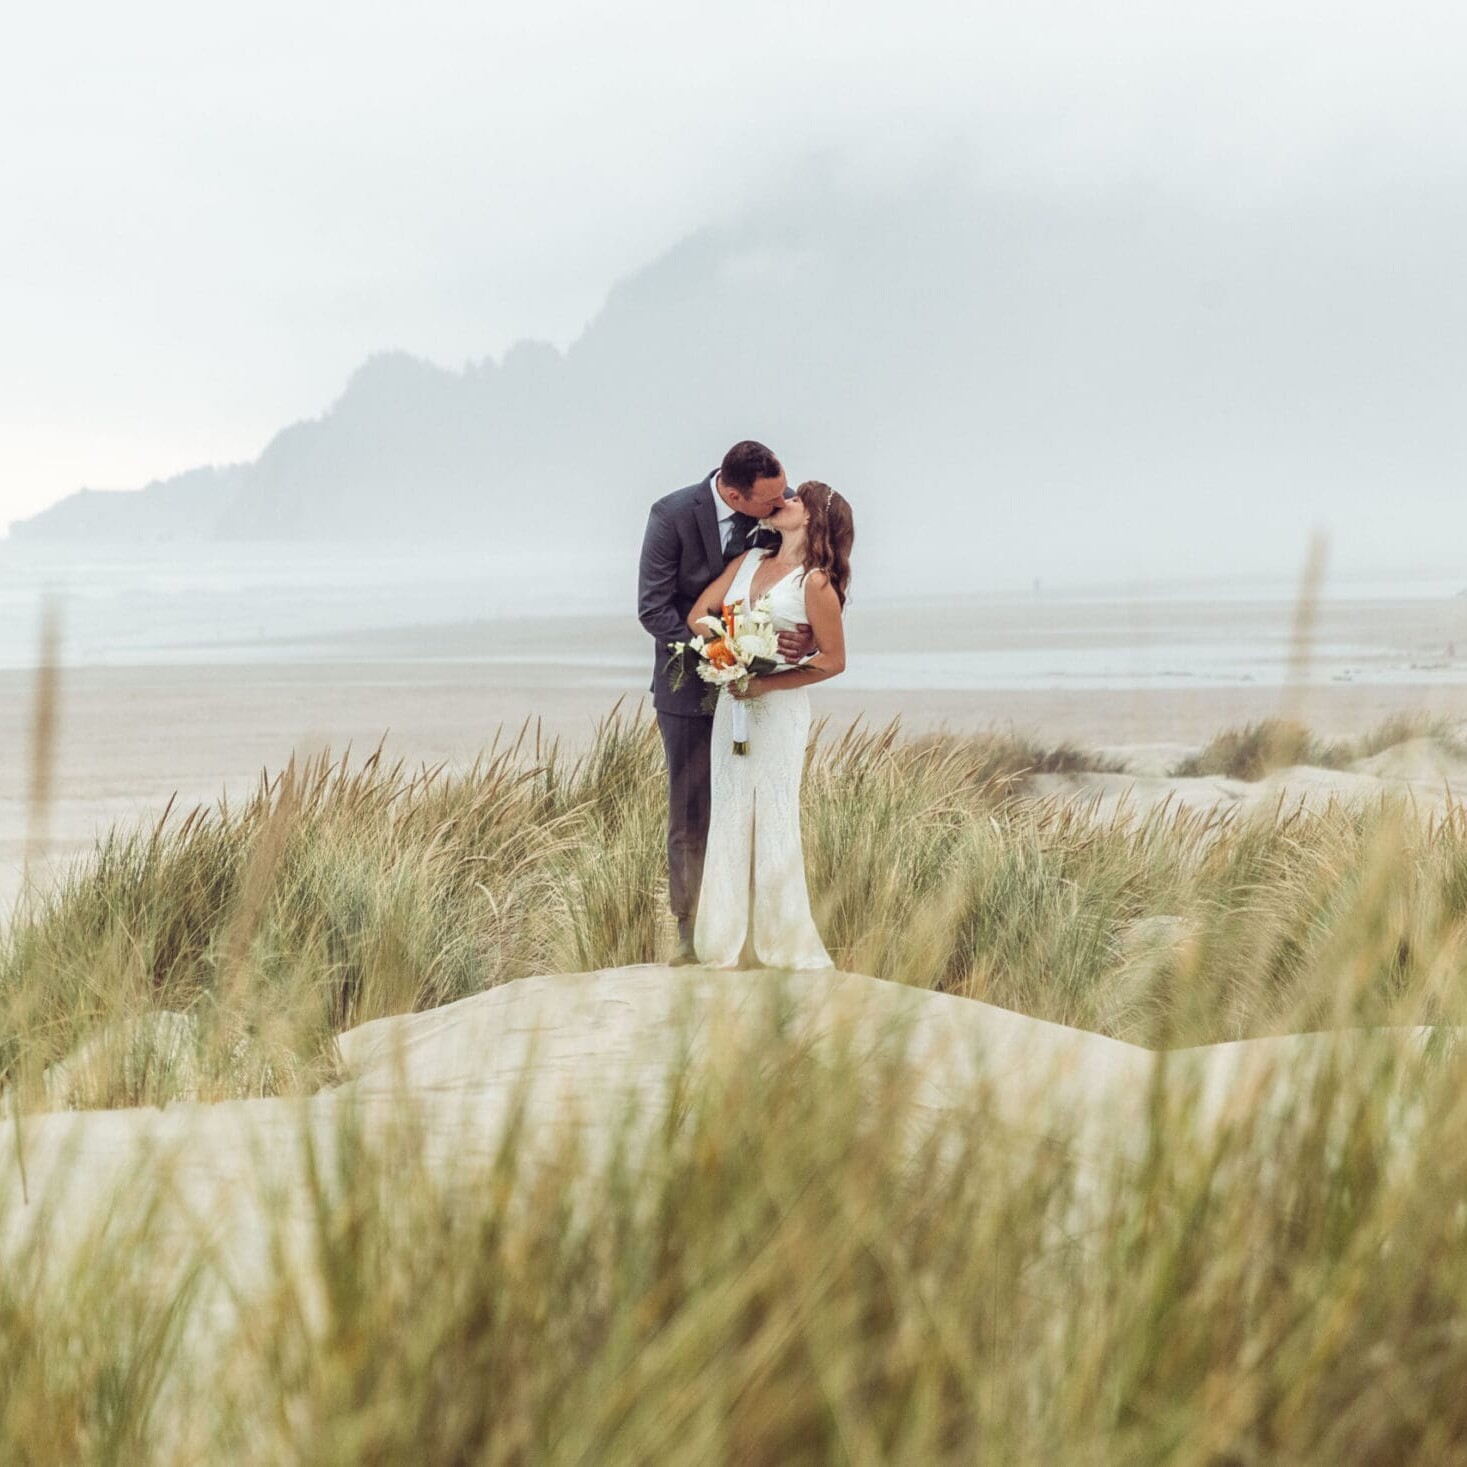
[754,645]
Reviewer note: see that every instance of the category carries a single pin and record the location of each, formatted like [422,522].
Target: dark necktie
[738,535]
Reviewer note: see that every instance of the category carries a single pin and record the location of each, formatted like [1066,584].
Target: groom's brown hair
[747,461]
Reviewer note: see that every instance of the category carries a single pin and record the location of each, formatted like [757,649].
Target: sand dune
[1426,772]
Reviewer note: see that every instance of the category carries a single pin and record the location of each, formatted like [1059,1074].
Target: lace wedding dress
[755,821]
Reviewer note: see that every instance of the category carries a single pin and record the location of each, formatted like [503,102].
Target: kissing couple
[742,538]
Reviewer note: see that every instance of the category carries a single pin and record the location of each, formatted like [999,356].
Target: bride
[755,819]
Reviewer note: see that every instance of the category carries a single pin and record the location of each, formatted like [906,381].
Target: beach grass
[1256,749]
[783,1275]
[339,892]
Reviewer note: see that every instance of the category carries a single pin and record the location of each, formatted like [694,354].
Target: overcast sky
[211,215]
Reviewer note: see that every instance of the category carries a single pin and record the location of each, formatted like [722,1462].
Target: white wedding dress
[755,819]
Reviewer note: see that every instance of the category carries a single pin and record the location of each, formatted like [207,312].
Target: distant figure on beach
[705,547]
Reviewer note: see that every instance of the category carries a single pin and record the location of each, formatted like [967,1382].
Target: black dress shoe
[685,956]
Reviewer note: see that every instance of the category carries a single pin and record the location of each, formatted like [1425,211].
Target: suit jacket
[682,553]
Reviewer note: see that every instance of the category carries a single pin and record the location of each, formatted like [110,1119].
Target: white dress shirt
[725,512]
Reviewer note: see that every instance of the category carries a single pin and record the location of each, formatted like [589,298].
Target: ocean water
[232,602]
[266,602]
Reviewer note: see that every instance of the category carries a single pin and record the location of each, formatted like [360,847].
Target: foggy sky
[210,218]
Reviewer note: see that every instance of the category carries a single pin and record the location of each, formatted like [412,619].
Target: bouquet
[739,644]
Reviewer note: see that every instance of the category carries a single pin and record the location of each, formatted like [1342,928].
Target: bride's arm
[822,606]
[710,603]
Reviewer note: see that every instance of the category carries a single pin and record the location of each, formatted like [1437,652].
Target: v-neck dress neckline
[773,585]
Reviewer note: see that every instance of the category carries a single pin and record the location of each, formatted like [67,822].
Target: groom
[691,535]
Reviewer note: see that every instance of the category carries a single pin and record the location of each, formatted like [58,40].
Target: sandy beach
[133,736]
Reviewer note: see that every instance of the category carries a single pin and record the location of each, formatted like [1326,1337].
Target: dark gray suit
[681,553]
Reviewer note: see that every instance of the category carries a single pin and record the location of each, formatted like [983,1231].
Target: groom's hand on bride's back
[796,645]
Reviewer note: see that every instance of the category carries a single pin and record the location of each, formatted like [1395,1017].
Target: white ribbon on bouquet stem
[740,724]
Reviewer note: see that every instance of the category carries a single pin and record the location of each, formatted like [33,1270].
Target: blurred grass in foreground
[779,1275]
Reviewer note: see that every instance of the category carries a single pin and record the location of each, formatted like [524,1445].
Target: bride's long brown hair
[829,534]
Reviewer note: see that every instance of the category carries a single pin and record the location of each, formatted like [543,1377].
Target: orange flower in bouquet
[719,653]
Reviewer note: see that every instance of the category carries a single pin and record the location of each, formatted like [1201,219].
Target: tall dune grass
[1257,749]
[781,1275]
[336,894]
